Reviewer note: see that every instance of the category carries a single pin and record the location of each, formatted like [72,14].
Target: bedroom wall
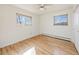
[47,27]
[10,31]
[76,27]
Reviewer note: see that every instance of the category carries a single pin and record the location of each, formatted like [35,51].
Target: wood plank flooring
[44,45]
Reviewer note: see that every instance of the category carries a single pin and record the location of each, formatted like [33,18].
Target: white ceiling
[34,8]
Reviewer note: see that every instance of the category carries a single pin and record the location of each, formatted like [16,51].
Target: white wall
[76,27]
[10,31]
[47,27]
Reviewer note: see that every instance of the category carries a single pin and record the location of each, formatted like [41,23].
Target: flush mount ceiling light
[42,7]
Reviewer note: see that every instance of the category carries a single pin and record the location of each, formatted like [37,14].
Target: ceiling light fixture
[42,7]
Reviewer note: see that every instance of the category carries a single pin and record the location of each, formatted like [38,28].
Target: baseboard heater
[58,37]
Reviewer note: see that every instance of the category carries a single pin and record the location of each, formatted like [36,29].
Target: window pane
[24,20]
[61,20]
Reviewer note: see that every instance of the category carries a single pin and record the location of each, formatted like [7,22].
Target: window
[22,19]
[61,19]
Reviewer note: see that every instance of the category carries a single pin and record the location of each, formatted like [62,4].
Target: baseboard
[59,37]
[13,42]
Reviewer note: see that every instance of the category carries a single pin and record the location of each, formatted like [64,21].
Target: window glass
[21,19]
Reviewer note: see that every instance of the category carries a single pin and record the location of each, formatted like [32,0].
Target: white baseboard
[55,36]
[6,42]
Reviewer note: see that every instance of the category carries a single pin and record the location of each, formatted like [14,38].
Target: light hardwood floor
[44,45]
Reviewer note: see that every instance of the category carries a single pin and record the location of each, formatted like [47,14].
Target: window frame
[61,24]
[19,14]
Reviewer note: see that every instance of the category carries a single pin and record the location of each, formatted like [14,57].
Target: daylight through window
[22,19]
